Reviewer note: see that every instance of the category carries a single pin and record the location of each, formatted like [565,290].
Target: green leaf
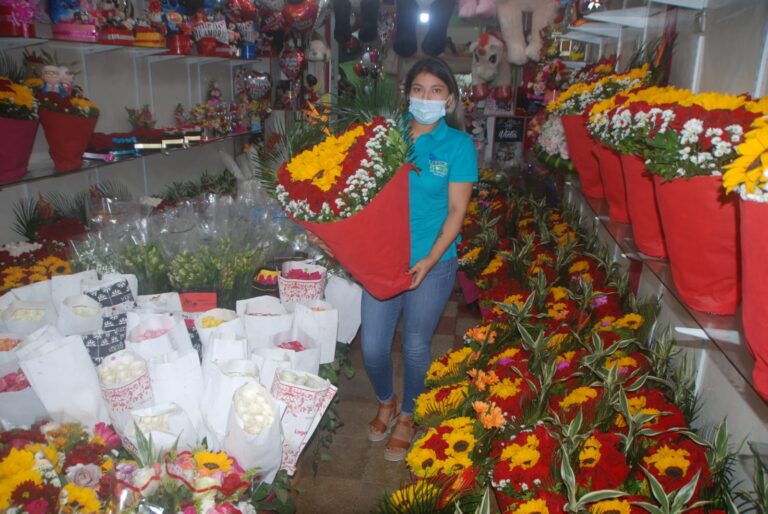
[596,496]
[685,493]
[652,509]
[657,490]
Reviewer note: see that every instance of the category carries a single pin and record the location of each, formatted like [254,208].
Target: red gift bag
[701,232]
[580,149]
[642,208]
[15,147]
[613,183]
[754,308]
[374,245]
[67,137]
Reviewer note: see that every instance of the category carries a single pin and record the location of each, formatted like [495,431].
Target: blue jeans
[421,309]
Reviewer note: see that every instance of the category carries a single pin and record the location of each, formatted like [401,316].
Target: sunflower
[589,456]
[459,442]
[422,461]
[211,463]
[412,496]
[10,484]
[611,507]
[441,401]
[456,463]
[79,499]
[535,506]
[448,365]
[632,321]
[669,462]
[746,172]
[578,396]
[524,456]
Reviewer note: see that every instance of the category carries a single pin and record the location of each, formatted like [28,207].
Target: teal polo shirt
[442,156]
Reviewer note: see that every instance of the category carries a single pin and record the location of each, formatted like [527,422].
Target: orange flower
[489,414]
[482,379]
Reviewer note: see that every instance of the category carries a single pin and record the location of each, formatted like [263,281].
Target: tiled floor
[357,474]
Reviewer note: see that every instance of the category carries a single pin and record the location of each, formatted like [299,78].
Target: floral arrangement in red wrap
[76,106]
[16,101]
[337,178]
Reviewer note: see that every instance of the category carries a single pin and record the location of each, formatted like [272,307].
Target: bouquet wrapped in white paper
[154,335]
[176,377]
[19,405]
[125,386]
[320,319]
[79,314]
[166,423]
[263,316]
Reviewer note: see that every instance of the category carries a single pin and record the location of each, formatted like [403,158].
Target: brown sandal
[397,447]
[387,415]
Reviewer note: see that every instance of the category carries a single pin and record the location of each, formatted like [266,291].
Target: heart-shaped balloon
[257,84]
[273,22]
[300,17]
[241,10]
[323,11]
[292,62]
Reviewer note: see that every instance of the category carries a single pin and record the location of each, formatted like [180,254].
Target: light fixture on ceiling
[424,17]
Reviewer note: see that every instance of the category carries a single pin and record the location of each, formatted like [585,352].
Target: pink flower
[39,506]
[104,432]
[84,475]
[225,508]
[189,510]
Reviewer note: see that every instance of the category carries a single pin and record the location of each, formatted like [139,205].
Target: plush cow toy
[489,63]
[510,14]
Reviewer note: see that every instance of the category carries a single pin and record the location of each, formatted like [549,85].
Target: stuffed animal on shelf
[317,50]
[489,64]
[510,15]
[469,9]
[435,40]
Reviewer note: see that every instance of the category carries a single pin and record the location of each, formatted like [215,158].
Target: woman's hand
[313,239]
[419,271]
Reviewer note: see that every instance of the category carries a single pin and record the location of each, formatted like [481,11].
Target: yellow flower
[16,462]
[37,277]
[535,506]
[622,361]
[578,396]
[322,164]
[508,353]
[579,267]
[715,101]
[85,106]
[632,321]
[419,493]
[456,463]
[589,455]
[507,388]
[557,310]
[524,456]
[514,299]
[422,461]
[559,293]
[557,340]
[459,441]
[669,461]
[8,485]
[441,401]
[210,463]
[52,455]
[449,365]
[494,265]
[459,423]
[55,265]
[210,322]
[611,507]
[80,499]
[748,169]
[566,357]
[470,256]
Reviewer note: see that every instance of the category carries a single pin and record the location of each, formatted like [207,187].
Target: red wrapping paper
[67,137]
[701,231]
[754,308]
[613,183]
[16,142]
[642,208]
[580,146]
[374,245]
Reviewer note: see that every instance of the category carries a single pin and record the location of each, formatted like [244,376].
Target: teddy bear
[489,63]
[469,9]
[510,15]
[317,50]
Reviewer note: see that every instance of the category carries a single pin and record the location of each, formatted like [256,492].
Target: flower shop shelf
[9,43]
[636,17]
[724,332]
[688,4]
[46,170]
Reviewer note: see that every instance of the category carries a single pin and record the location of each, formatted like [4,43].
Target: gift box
[147,37]
[116,36]
[85,32]
[179,44]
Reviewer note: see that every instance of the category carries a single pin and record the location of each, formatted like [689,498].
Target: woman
[439,193]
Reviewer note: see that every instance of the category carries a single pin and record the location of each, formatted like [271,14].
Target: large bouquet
[18,123]
[68,122]
[580,95]
[345,185]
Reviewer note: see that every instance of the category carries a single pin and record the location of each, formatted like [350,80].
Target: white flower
[19,248]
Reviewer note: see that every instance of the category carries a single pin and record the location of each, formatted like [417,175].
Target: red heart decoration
[241,10]
[273,22]
[300,17]
[257,84]
[292,62]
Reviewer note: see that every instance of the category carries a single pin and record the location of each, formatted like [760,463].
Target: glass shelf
[46,169]
[156,54]
[724,332]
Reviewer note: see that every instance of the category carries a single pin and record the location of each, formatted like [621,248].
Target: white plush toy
[469,9]
[510,14]
[318,51]
[489,63]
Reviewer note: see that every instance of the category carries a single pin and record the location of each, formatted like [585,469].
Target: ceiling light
[424,17]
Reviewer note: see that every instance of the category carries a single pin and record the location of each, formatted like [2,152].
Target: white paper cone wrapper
[320,320]
[346,297]
[79,314]
[263,316]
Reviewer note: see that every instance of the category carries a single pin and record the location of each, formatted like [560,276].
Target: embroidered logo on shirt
[437,167]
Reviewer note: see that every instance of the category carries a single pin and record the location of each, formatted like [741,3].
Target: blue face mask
[426,112]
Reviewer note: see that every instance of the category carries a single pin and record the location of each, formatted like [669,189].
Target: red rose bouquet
[345,185]
[68,123]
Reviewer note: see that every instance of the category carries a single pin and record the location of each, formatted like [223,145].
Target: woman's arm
[459,194]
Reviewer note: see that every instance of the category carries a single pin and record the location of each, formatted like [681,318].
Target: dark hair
[440,69]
